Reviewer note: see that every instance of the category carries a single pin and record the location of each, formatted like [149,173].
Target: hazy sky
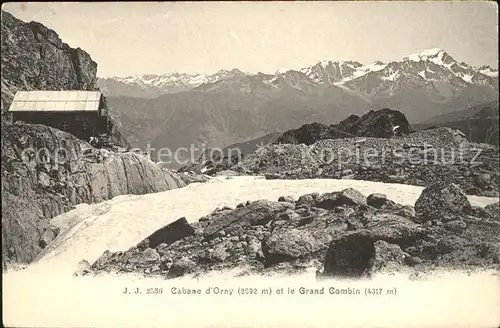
[135,38]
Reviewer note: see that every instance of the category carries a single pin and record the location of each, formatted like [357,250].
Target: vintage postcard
[250,164]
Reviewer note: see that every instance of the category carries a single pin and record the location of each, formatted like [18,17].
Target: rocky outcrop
[421,158]
[383,123]
[35,58]
[45,172]
[443,201]
[352,238]
[169,234]
[310,133]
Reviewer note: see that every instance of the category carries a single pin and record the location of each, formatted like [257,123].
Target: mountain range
[231,106]
[430,66]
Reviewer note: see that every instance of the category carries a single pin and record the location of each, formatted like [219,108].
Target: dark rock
[171,233]
[181,267]
[48,236]
[234,230]
[347,196]
[254,248]
[483,180]
[305,220]
[450,243]
[351,254]
[145,257]
[377,200]
[310,133]
[378,124]
[143,244]
[387,258]
[349,122]
[194,178]
[256,213]
[443,201]
[286,199]
[494,210]
[393,229]
[289,215]
[307,199]
[219,253]
[288,245]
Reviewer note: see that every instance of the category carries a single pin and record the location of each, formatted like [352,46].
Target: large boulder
[48,236]
[351,254]
[144,258]
[378,124]
[181,267]
[388,258]
[494,210]
[170,233]
[258,212]
[310,133]
[442,201]
[349,197]
[290,244]
[307,199]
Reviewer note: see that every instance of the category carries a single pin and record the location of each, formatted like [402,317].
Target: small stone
[181,267]
[376,200]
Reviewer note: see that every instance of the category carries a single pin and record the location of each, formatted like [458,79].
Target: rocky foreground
[45,172]
[341,234]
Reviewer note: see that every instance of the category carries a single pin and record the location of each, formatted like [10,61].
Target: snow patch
[391,77]
[489,72]
[426,54]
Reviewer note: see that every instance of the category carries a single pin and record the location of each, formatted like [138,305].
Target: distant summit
[427,66]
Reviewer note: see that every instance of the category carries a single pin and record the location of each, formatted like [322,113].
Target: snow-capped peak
[427,66]
[488,71]
[434,53]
